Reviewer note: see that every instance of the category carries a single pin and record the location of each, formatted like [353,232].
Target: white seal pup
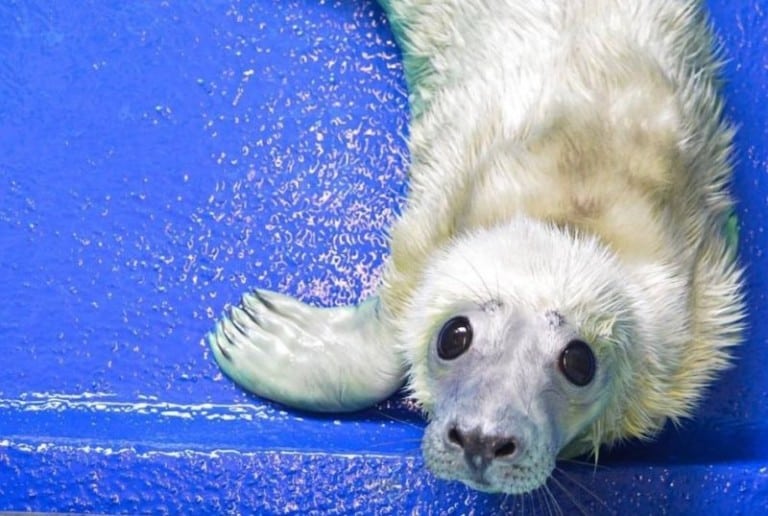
[559,277]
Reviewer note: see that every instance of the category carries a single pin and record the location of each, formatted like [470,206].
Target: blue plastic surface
[159,158]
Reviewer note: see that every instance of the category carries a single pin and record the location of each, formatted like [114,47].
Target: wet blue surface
[158,159]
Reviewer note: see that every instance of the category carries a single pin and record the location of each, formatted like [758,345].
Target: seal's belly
[626,220]
[616,181]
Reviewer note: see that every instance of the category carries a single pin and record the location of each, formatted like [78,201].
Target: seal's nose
[481,449]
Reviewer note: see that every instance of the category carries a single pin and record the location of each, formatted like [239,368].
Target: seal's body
[559,277]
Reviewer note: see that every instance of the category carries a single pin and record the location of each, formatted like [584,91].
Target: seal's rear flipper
[319,359]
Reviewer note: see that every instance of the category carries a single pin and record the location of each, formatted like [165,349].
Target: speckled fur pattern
[570,158]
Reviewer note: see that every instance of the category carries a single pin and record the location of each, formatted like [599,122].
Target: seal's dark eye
[577,363]
[455,338]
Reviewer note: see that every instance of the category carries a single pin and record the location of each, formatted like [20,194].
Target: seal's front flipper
[320,359]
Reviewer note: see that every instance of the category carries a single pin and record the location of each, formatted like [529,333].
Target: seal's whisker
[399,420]
[555,503]
[544,495]
[523,498]
[585,464]
[514,504]
[534,503]
[538,499]
[498,285]
[476,294]
[570,496]
[503,505]
[529,497]
[550,503]
[392,443]
[583,487]
[479,276]
[520,503]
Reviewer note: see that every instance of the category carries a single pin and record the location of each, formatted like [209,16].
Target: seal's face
[510,390]
[512,365]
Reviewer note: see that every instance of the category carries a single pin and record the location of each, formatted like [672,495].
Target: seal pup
[559,278]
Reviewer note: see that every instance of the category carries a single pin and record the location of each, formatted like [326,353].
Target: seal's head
[518,342]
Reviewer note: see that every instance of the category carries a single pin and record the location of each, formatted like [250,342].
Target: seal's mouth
[478,481]
[481,485]
[518,482]
[475,480]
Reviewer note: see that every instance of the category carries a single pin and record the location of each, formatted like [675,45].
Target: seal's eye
[455,338]
[577,363]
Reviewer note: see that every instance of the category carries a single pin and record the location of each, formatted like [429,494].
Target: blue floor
[159,158]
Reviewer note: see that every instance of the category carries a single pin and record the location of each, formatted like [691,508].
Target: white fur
[601,116]
[568,157]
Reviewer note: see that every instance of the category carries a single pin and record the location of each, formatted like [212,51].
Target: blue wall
[159,158]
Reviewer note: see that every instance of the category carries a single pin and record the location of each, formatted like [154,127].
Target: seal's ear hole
[577,363]
[455,338]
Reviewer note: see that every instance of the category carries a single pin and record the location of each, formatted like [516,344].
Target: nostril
[505,449]
[455,437]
